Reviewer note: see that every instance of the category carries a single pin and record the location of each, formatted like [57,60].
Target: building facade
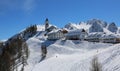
[55,35]
[76,35]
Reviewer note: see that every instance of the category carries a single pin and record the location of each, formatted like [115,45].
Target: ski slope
[69,55]
[72,55]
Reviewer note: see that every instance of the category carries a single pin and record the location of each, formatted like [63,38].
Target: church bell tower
[46,24]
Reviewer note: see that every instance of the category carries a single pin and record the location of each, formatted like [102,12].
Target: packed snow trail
[70,55]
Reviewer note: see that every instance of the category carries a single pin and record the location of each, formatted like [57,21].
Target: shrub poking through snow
[95,65]
[44,50]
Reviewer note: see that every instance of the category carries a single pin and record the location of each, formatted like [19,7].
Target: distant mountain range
[23,51]
[95,25]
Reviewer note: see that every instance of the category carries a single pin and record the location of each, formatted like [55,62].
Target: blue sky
[15,15]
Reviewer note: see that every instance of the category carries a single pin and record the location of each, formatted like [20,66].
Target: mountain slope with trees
[30,50]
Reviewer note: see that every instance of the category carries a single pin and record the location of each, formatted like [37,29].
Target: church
[53,33]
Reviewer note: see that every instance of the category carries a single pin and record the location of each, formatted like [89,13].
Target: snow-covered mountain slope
[112,27]
[72,56]
[118,30]
[97,21]
[95,27]
[81,25]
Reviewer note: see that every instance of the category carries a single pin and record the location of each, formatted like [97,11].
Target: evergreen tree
[15,53]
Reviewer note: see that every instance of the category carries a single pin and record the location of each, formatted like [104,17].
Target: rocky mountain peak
[95,27]
[70,26]
[112,27]
[97,21]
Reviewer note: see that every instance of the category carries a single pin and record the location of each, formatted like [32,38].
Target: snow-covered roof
[95,35]
[74,32]
[102,35]
[54,31]
[110,36]
[52,27]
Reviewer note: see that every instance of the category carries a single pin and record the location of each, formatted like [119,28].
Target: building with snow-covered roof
[76,34]
[103,37]
[110,38]
[94,37]
[49,29]
[55,35]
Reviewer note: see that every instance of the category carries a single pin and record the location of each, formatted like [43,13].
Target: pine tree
[14,53]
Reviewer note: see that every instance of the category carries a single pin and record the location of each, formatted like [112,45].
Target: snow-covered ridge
[94,25]
[74,55]
[74,26]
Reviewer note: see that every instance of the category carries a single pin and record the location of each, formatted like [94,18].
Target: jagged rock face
[95,27]
[112,27]
[96,21]
[70,26]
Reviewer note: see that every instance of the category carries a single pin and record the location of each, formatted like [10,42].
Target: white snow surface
[75,26]
[72,56]
[94,25]
[69,55]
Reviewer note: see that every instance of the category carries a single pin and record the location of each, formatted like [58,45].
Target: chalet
[110,38]
[76,34]
[94,37]
[55,35]
[118,40]
[102,37]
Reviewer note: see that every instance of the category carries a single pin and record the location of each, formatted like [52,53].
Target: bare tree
[44,50]
[95,65]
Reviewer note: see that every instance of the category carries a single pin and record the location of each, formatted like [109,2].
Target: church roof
[46,19]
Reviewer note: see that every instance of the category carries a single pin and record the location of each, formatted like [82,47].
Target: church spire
[46,24]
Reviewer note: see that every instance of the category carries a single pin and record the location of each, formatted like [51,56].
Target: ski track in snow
[74,57]
[71,55]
